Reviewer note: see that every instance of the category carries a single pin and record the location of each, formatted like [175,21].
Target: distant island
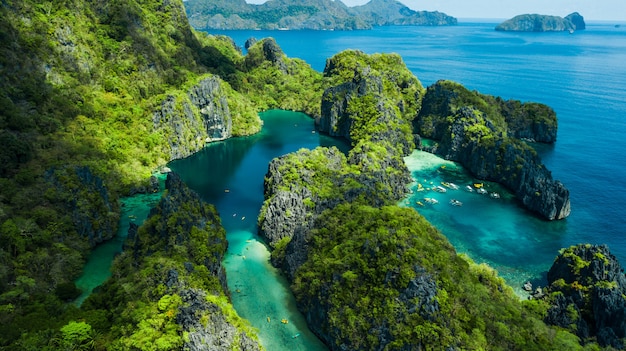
[314,14]
[543,23]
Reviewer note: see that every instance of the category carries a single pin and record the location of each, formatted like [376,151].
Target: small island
[543,23]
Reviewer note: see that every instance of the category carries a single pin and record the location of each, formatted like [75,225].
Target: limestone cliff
[543,23]
[588,290]
[191,121]
[480,132]
[371,105]
[371,97]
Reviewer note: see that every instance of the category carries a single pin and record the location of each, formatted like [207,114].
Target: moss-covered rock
[588,294]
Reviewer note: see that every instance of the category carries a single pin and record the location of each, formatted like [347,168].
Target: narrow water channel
[97,269]
[230,174]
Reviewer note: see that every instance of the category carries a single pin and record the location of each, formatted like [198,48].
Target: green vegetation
[80,85]
[175,256]
[287,84]
[505,117]
[361,262]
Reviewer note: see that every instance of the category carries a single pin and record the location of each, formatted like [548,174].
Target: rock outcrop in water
[543,23]
[481,132]
[588,290]
[360,109]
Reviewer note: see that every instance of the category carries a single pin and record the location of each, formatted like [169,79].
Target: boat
[495,195]
[455,202]
[284,321]
[420,203]
[268,319]
[478,185]
[431,200]
[450,185]
[469,188]
[481,191]
[296,335]
[440,189]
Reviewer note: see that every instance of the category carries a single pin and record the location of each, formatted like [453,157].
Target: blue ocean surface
[581,75]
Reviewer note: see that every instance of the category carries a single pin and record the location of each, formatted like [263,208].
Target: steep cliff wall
[94,210]
[588,294]
[199,117]
[375,101]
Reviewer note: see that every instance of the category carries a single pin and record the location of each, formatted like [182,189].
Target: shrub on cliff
[274,81]
[588,294]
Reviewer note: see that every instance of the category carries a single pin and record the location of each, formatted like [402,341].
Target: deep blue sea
[581,75]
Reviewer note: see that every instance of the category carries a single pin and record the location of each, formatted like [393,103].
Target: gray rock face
[94,211]
[591,282]
[273,53]
[543,23]
[214,334]
[285,210]
[269,51]
[209,98]
[189,123]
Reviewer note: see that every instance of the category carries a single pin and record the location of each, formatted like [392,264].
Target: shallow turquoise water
[497,231]
[230,174]
[97,269]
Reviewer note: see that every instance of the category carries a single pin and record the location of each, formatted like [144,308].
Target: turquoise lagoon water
[97,269]
[230,174]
